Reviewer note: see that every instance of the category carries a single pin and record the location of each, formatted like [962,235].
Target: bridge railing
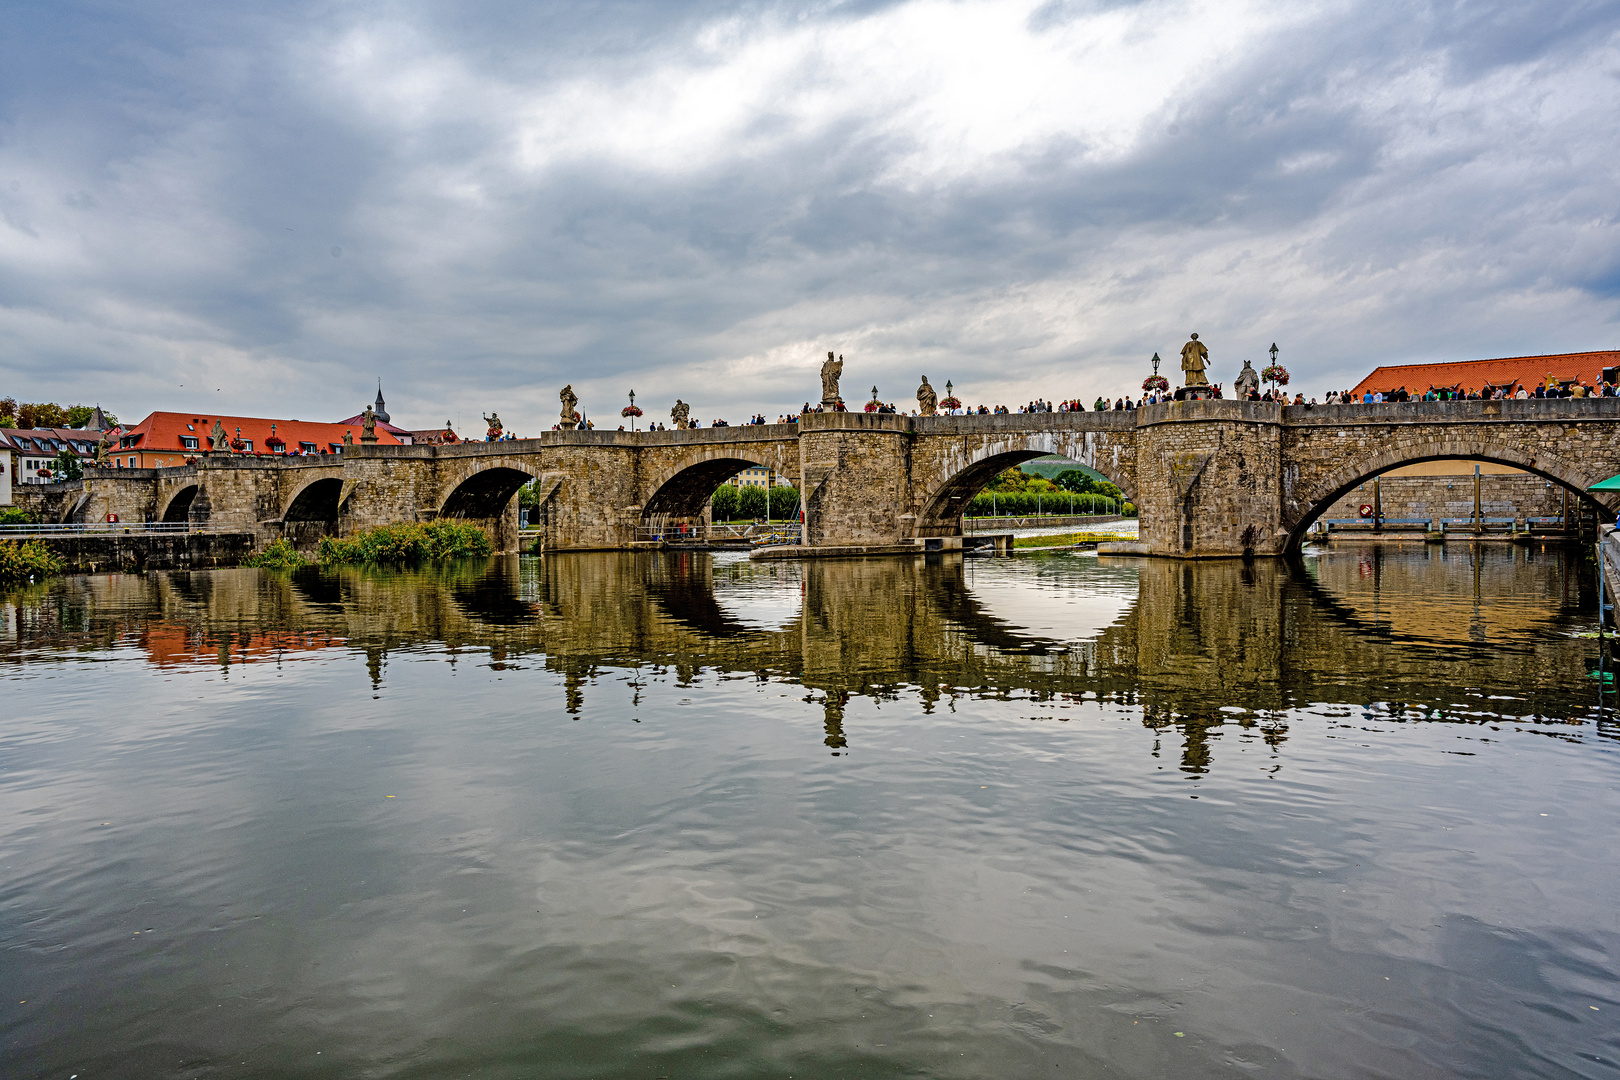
[717,532]
[104,528]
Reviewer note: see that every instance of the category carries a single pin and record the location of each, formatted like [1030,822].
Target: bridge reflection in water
[1195,649]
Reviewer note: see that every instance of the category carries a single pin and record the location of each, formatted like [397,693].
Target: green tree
[67,466]
[1076,481]
[8,412]
[1013,479]
[41,414]
[79,415]
[752,502]
[725,503]
[784,502]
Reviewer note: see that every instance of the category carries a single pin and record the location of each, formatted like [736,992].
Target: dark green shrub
[16,515]
[277,555]
[26,560]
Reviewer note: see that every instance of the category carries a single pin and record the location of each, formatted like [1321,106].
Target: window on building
[189,442]
[247,446]
[308,447]
[132,463]
[337,448]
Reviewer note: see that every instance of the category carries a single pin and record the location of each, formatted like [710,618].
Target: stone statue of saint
[570,418]
[493,427]
[348,436]
[1194,357]
[217,437]
[681,414]
[101,452]
[927,400]
[1248,379]
[368,425]
[829,379]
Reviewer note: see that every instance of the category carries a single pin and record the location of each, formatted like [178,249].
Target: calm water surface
[687,816]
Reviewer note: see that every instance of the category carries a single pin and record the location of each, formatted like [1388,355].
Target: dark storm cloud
[482,202]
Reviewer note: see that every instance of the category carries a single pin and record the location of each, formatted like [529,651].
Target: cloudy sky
[261,208]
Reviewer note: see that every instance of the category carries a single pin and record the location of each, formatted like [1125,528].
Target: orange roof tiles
[163,431]
[1528,371]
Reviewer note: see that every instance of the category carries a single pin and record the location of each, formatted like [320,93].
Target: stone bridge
[1209,478]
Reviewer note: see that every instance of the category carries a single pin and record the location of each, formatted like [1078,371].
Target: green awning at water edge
[1611,484]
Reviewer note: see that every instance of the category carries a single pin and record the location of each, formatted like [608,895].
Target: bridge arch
[178,509]
[1302,513]
[684,490]
[315,501]
[941,509]
[485,493]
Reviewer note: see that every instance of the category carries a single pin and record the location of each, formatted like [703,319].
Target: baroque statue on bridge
[681,414]
[218,439]
[494,429]
[570,418]
[368,425]
[830,371]
[1248,381]
[927,400]
[1194,358]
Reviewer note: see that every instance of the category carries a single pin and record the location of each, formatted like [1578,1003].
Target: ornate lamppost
[950,404]
[1276,374]
[631,411]
[1155,381]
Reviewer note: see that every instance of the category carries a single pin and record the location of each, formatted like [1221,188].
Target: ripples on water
[644,816]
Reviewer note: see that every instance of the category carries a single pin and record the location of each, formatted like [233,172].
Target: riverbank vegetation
[23,561]
[408,544]
[277,555]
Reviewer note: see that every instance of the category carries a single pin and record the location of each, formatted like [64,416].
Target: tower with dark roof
[382,413]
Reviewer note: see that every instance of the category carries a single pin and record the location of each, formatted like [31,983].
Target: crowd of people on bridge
[1552,387]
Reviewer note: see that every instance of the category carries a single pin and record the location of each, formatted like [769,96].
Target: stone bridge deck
[1209,478]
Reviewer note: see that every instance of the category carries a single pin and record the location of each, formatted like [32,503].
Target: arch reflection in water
[1190,647]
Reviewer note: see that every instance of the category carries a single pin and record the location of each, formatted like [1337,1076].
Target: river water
[647,816]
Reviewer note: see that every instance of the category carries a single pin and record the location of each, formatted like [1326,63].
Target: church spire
[382,413]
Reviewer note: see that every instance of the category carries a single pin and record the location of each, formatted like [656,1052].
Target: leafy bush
[277,555]
[401,545]
[1128,510]
[26,560]
[16,515]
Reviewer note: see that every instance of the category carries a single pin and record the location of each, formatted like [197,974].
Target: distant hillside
[1052,464]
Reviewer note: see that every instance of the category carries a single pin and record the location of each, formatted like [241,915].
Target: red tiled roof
[161,431]
[359,419]
[1474,374]
[51,438]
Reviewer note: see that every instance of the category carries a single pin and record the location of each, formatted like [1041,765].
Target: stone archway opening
[489,498]
[1557,479]
[318,501]
[484,494]
[685,498]
[178,512]
[942,513]
[313,512]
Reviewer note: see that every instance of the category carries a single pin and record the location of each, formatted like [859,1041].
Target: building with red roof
[1485,376]
[166,439]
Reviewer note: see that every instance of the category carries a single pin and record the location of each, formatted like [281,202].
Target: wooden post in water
[1378,507]
[1478,520]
